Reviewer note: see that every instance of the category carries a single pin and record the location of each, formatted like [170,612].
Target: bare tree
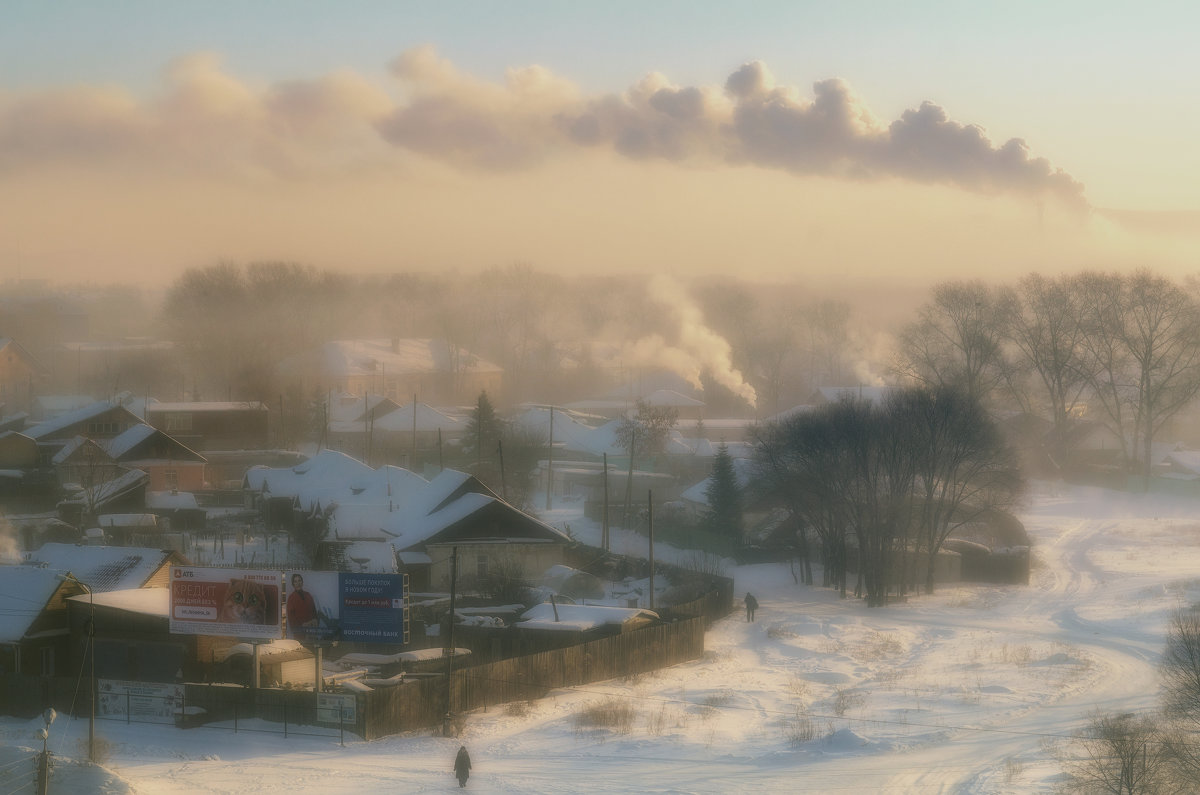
[1042,321]
[964,471]
[956,341]
[647,432]
[1122,755]
[1142,338]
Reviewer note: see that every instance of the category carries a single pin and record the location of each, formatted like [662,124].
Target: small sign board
[145,702]
[337,708]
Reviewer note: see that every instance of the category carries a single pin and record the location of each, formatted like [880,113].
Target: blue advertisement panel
[326,606]
[373,608]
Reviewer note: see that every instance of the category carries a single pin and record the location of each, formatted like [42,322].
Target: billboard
[325,606]
[313,606]
[208,601]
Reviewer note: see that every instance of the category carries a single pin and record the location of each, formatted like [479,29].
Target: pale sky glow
[782,139]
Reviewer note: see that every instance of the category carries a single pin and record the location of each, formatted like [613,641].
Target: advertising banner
[374,609]
[144,702]
[324,606]
[208,601]
[313,606]
[336,708]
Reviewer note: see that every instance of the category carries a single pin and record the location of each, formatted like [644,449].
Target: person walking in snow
[462,766]
[751,606]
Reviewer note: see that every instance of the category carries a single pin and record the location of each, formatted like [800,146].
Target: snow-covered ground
[975,689]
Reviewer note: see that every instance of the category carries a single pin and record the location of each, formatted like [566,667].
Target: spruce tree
[724,497]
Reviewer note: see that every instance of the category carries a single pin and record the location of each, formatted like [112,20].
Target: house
[34,638]
[17,451]
[397,434]
[171,465]
[20,375]
[125,493]
[436,370]
[130,529]
[101,420]
[106,569]
[132,637]
[213,425]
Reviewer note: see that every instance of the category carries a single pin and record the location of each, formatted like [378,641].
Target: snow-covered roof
[871,394]
[55,424]
[113,488]
[102,569]
[147,601]
[127,520]
[803,408]
[580,618]
[671,398]
[578,437]
[327,470]
[374,557]
[213,405]
[122,443]
[71,447]
[171,500]
[428,419]
[24,593]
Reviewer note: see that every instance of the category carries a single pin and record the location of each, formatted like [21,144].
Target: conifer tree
[724,497]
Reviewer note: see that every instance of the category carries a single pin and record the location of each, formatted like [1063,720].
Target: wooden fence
[423,703]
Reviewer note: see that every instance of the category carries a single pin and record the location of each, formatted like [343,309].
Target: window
[181,421]
[171,480]
[481,566]
[104,428]
[48,662]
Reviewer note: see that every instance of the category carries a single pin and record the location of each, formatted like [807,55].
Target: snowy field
[976,689]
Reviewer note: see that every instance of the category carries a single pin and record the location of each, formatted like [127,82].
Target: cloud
[207,119]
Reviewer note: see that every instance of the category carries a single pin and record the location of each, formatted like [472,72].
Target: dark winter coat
[462,763]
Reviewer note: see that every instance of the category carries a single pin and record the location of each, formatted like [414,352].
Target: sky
[819,142]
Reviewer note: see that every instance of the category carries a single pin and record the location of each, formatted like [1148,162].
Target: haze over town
[703,248]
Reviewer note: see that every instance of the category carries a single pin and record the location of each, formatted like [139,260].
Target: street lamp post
[91,652]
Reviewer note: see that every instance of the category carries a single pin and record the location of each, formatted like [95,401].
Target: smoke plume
[205,118]
[698,348]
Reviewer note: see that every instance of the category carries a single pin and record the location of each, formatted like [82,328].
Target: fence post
[285,719]
[128,711]
[235,716]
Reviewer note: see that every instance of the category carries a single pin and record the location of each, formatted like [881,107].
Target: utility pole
[503,480]
[650,506]
[604,520]
[43,769]
[91,656]
[550,461]
[449,650]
